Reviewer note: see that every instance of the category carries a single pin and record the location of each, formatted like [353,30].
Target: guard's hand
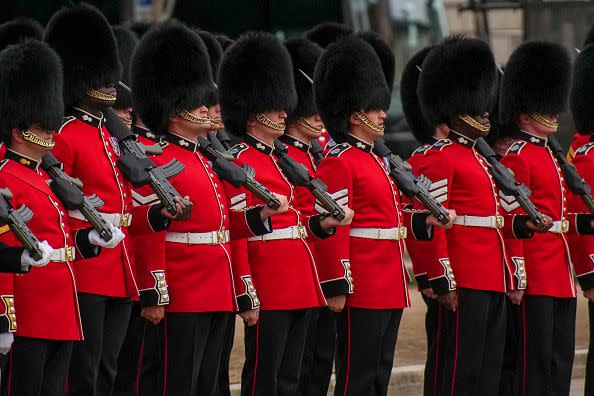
[268,211]
[547,223]
[429,293]
[6,340]
[153,314]
[46,249]
[515,296]
[449,300]
[336,303]
[116,237]
[250,317]
[183,206]
[330,222]
[589,294]
[432,220]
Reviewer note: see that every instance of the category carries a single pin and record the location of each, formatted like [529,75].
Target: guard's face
[545,127]
[378,118]
[214,112]
[311,126]
[197,127]
[125,114]
[39,135]
[278,118]
[467,129]
[106,98]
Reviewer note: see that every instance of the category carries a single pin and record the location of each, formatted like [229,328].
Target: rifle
[298,175]
[224,138]
[16,220]
[69,191]
[223,165]
[216,143]
[316,150]
[140,169]
[411,185]
[574,181]
[507,183]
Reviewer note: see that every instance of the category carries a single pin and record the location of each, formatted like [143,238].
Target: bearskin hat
[224,41]
[140,28]
[304,54]
[327,33]
[537,80]
[410,101]
[384,53]
[581,100]
[589,37]
[30,88]
[458,76]
[127,41]
[85,42]
[161,86]
[18,29]
[255,76]
[215,51]
[348,78]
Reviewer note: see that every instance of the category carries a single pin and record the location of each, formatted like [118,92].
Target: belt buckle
[564,226]
[401,233]
[221,235]
[68,253]
[124,220]
[301,231]
[499,221]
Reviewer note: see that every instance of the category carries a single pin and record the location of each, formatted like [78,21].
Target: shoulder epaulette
[584,149]
[65,121]
[163,143]
[422,150]
[236,150]
[440,144]
[338,150]
[516,148]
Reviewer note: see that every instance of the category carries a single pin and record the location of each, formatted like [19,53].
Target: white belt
[396,233]
[63,254]
[480,221]
[115,219]
[199,238]
[293,232]
[559,227]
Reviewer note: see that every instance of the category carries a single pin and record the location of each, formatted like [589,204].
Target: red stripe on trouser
[140,359]
[524,347]
[256,358]
[437,350]
[456,353]
[348,370]
[166,357]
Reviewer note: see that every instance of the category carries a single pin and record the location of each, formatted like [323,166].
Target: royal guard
[224,41]
[257,91]
[582,247]
[31,106]
[85,42]
[534,90]
[362,271]
[420,251]
[201,275]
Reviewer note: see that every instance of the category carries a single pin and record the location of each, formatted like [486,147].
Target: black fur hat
[224,41]
[384,53]
[215,51]
[410,101]
[581,100]
[327,33]
[304,54]
[537,80]
[458,76]
[589,37]
[170,71]
[85,42]
[255,76]
[140,28]
[127,42]
[18,29]
[348,78]
[30,88]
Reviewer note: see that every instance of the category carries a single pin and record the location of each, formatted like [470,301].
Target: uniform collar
[22,159]
[258,144]
[87,117]
[358,143]
[140,131]
[293,141]
[530,138]
[461,139]
[181,141]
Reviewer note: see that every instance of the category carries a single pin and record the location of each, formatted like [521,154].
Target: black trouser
[589,385]
[94,360]
[223,385]
[513,344]
[273,353]
[548,346]
[129,357]
[151,373]
[365,347]
[473,354]
[193,347]
[318,355]
[434,329]
[38,367]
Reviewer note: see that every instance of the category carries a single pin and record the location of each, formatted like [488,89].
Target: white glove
[6,340]
[117,236]
[27,260]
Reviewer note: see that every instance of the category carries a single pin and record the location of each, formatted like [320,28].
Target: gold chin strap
[474,123]
[93,93]
[262,119]
[127,120]
[365,120]
[33,138]
[215,124]
[186,115]
[307,125]
[544,121]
